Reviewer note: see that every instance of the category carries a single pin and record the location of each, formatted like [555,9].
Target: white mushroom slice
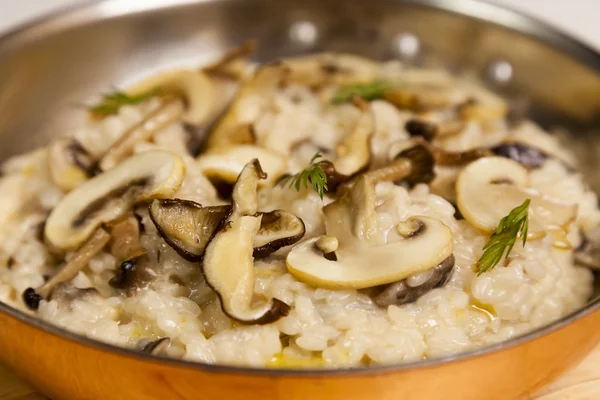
[359,262]
[226,164]
[354,151]
[489,188]
[108,196]
[253,98]
[228,264]
[69,163]
[167,113]
[194,86]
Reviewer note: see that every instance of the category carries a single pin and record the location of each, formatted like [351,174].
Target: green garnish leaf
[511,227]
[313,174]
[368,91]
[113,101]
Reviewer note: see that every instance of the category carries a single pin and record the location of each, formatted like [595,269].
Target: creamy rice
[537,284]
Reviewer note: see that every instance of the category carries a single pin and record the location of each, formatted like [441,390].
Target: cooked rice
[334,328]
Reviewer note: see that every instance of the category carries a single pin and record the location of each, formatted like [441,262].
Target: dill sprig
[368,91]
[511,227]
[313,174]
[112,101]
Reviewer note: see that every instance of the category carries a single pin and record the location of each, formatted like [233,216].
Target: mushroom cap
[489,188]
[110,195]
[360,261]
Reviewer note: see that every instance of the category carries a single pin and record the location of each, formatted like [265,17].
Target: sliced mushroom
[69,163]
[412,165]
[524,154]
[154,347]
[489,188]
[168,112]
[80,260]
[430,130]
[277,229]
[228,265]
[340,69]
[361,262]
[253,98]
[483,105]
[410,289]
[194,87]
[224,165]
[125,239]
[354,151]
[187,227]
[108,196]
[233,64]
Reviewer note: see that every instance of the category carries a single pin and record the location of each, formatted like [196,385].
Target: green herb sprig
[368,91]
[313,174]
[113,101]
[511,227]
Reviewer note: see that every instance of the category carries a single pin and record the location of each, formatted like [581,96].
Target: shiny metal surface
[49,68]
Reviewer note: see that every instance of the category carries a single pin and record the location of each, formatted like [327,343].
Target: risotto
[320,211]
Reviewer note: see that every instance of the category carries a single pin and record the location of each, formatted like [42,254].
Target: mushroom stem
[125,243]
[82,257]
[169,111]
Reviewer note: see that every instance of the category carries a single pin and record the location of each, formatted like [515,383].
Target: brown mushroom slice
[80,260]
[167,113]
[252,99]
[69,163]
[224,165]
[278,229]
[110,195]
[185,225]
[195,87]
[228,265]
[489,188]
[359,261]
[410,289]
[523,153]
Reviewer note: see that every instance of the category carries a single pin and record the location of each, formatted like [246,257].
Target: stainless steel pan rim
[97,10]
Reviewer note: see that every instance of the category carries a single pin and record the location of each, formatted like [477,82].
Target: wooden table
[580,383]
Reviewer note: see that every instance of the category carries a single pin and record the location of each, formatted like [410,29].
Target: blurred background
[576,17]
